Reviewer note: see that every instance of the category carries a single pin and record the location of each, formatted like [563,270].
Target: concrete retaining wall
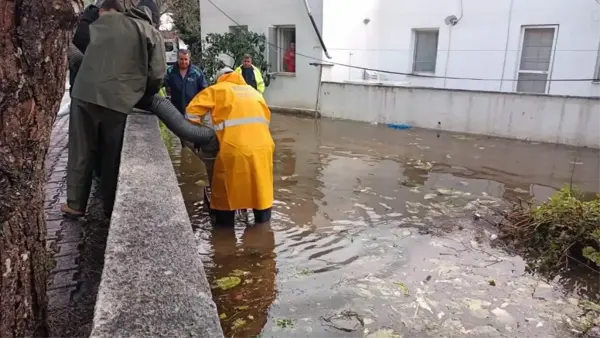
[543,118]
[153,282]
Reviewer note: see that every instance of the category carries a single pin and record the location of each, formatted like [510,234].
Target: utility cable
[395,72]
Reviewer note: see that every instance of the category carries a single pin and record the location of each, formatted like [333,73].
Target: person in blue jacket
[183,81]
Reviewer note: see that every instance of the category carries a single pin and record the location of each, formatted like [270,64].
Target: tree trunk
[33,40]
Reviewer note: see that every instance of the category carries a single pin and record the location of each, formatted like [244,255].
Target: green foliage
[234,45]
[562,228]
[206,51]
[186,20]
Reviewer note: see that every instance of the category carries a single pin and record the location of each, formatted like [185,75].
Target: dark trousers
[72,74]
[95,140]
[227,217]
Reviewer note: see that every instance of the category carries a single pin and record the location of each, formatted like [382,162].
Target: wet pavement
[389,233]
[75,247]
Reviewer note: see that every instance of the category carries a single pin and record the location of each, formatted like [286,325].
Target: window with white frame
[535,64]
[282,49]
[425,50]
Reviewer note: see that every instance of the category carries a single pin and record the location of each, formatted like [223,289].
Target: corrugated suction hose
[203,137]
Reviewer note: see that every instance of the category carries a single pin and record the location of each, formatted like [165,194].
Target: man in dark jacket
[124,64]
[81,39]
[184,81]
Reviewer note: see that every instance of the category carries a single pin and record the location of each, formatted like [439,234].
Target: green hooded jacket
[124,62]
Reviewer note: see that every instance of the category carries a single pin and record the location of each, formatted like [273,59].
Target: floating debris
[238,323]
[421,303]
[346,321]
[403,288]
[239,273]
[306,272]
[284,323]
[503,316]
[442,191]
[223,316]
[462,137]
[385,206]
[384,333]
[520,191]
[227,283]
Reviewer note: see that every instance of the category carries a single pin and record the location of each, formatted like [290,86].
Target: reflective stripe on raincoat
[243,172]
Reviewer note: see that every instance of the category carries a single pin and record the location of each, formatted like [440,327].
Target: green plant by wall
[563,229]
[234,45]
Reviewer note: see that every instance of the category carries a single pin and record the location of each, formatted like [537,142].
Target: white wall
[348,38]
[479,46]
[299,91]
[554,119]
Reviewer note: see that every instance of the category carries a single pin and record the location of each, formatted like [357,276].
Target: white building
[500,44]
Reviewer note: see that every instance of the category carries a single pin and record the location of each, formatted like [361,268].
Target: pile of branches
[564,229]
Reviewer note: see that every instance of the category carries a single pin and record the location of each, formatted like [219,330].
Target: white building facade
[505,41]
[501,49]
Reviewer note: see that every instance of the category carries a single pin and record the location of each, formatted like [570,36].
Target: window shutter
[273,52]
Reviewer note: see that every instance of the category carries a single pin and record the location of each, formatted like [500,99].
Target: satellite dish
[451,20]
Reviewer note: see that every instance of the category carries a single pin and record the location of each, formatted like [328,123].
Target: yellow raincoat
[243,172]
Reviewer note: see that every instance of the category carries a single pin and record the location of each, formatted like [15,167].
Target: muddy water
[374,235]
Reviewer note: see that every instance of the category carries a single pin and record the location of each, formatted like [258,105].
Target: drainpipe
[314,24]
[451,21]
[510,11]
[317,108]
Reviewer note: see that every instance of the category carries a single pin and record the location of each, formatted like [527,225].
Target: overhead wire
[384,71]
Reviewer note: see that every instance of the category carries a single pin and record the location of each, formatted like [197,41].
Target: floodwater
[374,234]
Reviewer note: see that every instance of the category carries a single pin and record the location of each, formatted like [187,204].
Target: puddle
[383,233]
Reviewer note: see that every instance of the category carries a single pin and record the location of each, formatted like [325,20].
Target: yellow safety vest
[260,83]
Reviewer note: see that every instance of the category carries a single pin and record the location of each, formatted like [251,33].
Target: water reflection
[360,208]
[244,308]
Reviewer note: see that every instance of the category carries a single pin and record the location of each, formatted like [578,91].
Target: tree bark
[33,40]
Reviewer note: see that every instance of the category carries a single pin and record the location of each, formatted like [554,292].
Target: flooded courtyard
[379,233]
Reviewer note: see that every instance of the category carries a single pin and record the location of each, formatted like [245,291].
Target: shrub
[564,228]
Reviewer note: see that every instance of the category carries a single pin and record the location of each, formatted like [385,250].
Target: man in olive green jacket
[123,67]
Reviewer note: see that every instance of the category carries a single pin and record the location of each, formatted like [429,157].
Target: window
[425,50]
[169,46]
[282,49]
[237,29]
[536,59]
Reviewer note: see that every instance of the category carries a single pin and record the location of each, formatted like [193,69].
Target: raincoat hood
[141,13]
[232,77]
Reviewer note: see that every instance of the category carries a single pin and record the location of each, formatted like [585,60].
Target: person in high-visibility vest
[242,177]
[251,74]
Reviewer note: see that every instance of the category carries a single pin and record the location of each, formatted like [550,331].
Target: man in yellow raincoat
[242,177]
